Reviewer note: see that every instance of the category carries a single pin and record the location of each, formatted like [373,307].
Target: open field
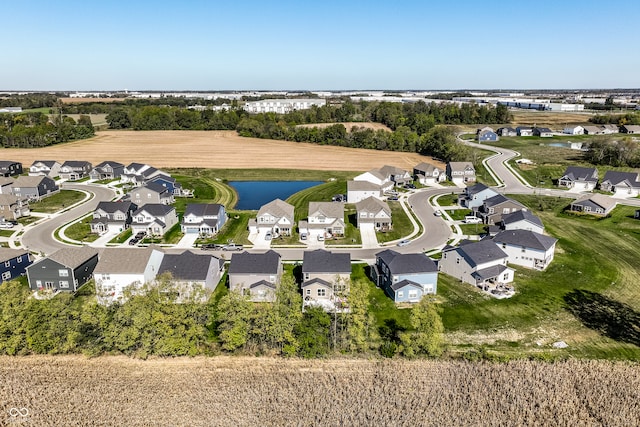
[236,391]
[349,125]
[213,149]
[550,118]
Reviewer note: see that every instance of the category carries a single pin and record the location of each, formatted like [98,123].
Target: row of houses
[599,130]
[488,134]
[621,184]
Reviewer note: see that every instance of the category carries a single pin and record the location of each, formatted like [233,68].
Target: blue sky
[318,45]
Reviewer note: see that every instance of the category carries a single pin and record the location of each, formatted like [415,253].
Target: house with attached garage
[482,264]
[375,213]
[573,130]
[630,129]
[405,277]
[428,174]
[193,276]
[255,275]
[610,129]
[461,173]
[326,277]
[12,207]
[360,190]
[276,217]
[592,130]
[593,204]
[202,218]
[377,177]
[121,268]
[524,131]
[10,168]
[495,207]
[107,170]
[527,248]
[621,184]
[325,218]
[152,192]
[507,131]
[542,132]
[112,216]
[64,270]
[522,220]
[154,219]
[14,263]
[73,170]
[34,188]
[487,134]
[138,174]
[474,196]
[396,175]
[579,178]
[48,168]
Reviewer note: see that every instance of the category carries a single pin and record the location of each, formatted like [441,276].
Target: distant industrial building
[282,106]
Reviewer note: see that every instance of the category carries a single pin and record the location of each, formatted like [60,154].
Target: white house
[49,168]
[203,218]
[360,190]
[375,176]
[527,248]
[325,218]
[522,220]
[276,217]
[373,213]
[573,130]
[428,174]
[154,219]
[461,173]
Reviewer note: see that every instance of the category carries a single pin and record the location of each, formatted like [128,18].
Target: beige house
[276,217]
[325,218]
[12,207]
[375,213]
[325,279]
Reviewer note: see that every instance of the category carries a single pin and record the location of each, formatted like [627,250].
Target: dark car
[210,246]
[134,241]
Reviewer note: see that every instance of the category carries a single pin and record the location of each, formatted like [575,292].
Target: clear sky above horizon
[319,45]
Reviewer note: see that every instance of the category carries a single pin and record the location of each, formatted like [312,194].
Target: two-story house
[474,196]
[522,220]
[405,277]
[507,131]
[73,170]
[428,174]
[275,217]
[494,207]
[205,219]
[154,219]
[579,178]
[396,175]
[193,276]
[373,213]
[487,134]
[10,168]
[14,263]
[461,173]
[360,190]
[151,192]
[255,275]
[64,270]
[325,218]
[527,248]
[326,277]
[138,174]
[170,183]
[112,216]
[49,168]
[107,170]
[12,207]
[34,188]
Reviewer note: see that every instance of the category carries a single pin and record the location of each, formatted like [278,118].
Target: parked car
[472,220]
[393,198]
[140,234]
[303,236]
[232,247]
[320,238]
[268,236]
[438,213]
[211,246]
[134,241]
[404,242]
[6,224]
[411,186]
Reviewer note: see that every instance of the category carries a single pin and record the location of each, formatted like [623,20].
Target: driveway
[187,241]
[259,241]
[368,235]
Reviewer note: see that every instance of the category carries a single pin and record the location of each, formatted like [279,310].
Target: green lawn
[401,224]
[473,229]
[57,202]
[26,220]
[81,231]
[458,214]
[122,237]
[106,181]
[319,193]
[235,229]
[7,233]
[448,200]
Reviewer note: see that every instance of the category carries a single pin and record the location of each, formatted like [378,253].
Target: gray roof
[123,260]
[592,129]
[616,177]
[526,238]
[476,188]
[7,199]
[73,257]
[401,284]
[108,163]
[543,130]
[522,215]
[362,186]
[76,163]
[387,170]
[329,209]
[153,186]
[6,254]
[155,209]
[460,166]
[407,263]
[188,265]
[481,252]
[278,208]
[317,281]
[202,209]
[371,204]
[498,199]
[578,173]
[48,163]
[136,166]
[263,283]
[29,181]
[7,163]
[489,272]
[321,261]
[425,167]
[246,263]
[634,128]
[111,207]
[601,200]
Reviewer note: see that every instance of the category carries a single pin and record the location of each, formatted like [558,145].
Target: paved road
[40,238]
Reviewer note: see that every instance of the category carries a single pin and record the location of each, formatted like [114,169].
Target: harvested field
[89,100]
[349,125]
[213,149]
[548,118]
[234,391]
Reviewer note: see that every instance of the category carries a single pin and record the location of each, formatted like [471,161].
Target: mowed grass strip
[57,202]
[402,225]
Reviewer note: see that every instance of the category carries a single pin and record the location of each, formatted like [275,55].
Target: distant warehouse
[282,105]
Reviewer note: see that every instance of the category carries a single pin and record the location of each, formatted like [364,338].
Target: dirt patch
[213,149]
[349,125]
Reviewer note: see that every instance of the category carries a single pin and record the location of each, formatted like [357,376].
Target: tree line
[617,152]
[28,130]
[152,322]
[616,119]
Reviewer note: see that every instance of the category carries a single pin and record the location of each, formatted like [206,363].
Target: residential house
[12,207]
[375,176]
[6,185]
[276,217]
[326,278]
[593,130]
[621,184]
[73,170]
[609,129]
[461,173]
[203,218]
[152,192]
[594,204]
[630,129]
[522,220]
[139,174]
[507,131]
[121,268]
[10,168]
[170,183]
[542,132]
[64,270]
[573,130]
[487,135]
[405,277]
[154,219]
[112,216]
[48,168]
[482,264]
[474,196]
[396,175]
[360,190]
[527,248]
[524,131]
[325,218]
[34,188]
[14,263]
[494,207]
[374,213]
[107,170]
[255,275]
[193,276]
[579,178]
[428,174]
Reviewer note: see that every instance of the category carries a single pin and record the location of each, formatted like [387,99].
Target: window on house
[308,291]
[457,260]
[64,284]
[7,263]
[413,294]
[322,292]
[306,276]
[504,246]
[524,249]
[63,273]
[400,294]
[6,275]
[505,276]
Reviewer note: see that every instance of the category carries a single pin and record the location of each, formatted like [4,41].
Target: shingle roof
[108,163]
[543,130]
[263,283]
[6,254]
[391,170]
[28,181]
[592,129]
[329,209]
[526,238]
[371,204]
[153,186]
[578,173]
[489,272]
[155,209]
[111,207]
[476,188]
[481,252]
[459,166]
[202,209]
[522,215]
[316,281]
[73,257]
[601,200]
[616,177]
[362,186]
[123,260]
[246,263]
[76,163]
[188,265]
[278,208]
[7,163]
[425,167]
[407,263]
[498,199]
[48,163]
[403,283]
[7,199]
[321,261]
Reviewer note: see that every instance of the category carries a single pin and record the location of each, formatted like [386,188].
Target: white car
[404,242]
[6,225]
[267,236]
[320,238]
[472,220]
[437,213]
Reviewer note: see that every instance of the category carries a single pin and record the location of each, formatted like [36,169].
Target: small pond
[253,194]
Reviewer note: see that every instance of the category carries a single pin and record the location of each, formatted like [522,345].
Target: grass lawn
[587,297]
[122,237]
[235,229]
[458,214]
[319,193]
[351,235]
[106,181]
[173,235]
[401,224]
[57,202]
[472,229]
[26,220]
[448,200]
[6,233]
[81,231]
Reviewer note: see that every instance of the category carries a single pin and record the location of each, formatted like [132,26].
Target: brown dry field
[246,391]
[349,125]
[212,149]
[548,118]
[88,100]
